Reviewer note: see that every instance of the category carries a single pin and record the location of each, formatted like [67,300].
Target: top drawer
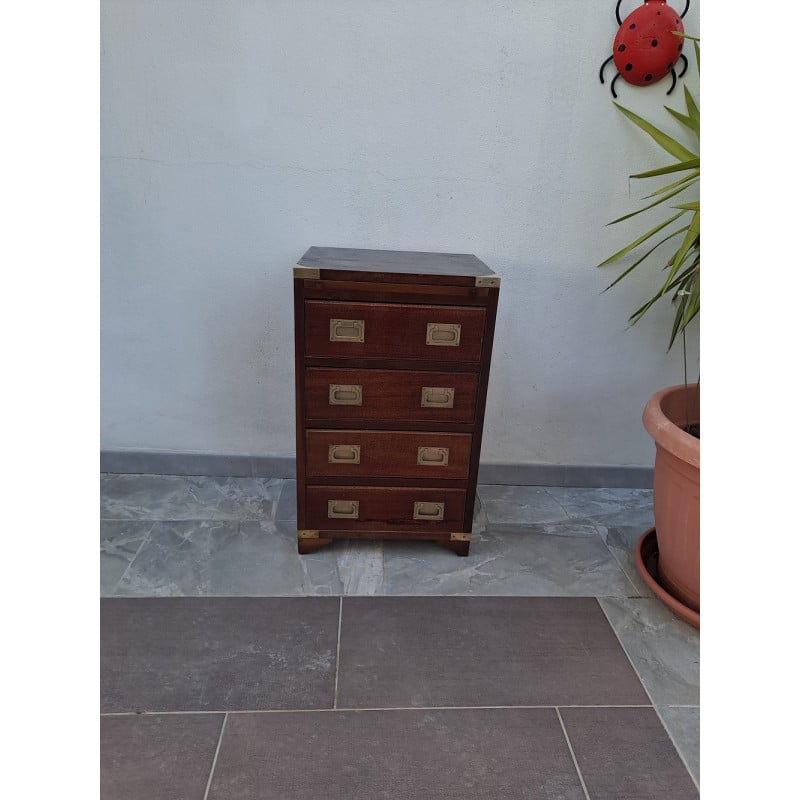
[388,330]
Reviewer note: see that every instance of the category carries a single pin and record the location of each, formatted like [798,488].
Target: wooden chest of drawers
[392,355]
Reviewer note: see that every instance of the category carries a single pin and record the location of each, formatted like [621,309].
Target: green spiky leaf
[693,163]
[673,147]
[688,180]
[652,205]
[645,256]
[679,273]
[627,249]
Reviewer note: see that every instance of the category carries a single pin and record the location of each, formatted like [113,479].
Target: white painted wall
[236,133]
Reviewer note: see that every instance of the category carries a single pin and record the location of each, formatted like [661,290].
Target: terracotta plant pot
[676,490]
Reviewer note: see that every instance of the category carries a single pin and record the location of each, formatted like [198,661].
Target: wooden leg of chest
[309,542]
[459,543]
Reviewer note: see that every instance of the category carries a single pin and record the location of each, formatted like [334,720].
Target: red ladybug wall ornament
[645,47]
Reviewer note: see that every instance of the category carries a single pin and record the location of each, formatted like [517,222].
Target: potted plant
[668,556]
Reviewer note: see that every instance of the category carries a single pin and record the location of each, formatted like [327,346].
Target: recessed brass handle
[437,396]
[429,511]
[344,395]
[433,456]
[344,454]
[347,330]
[343,509]
[444,335]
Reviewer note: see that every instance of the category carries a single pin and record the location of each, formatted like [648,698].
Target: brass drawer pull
[437,397]
[343,509]
[339,395]
[429,511]
[344,454]
[347,330]
[433,456]
[444,335]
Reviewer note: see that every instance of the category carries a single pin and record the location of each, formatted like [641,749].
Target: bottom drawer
[361,508]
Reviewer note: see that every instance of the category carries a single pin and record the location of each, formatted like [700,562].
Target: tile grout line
[647,691]
[338,650]
[636,590]
[216,755]
[624,650]
[572,753]
[354,710]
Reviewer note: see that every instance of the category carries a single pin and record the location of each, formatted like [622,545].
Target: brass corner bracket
[306,272]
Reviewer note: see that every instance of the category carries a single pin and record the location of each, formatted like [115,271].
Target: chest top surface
[340,263]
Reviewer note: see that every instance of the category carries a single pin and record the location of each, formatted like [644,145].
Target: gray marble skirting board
[157,462]
[154,462]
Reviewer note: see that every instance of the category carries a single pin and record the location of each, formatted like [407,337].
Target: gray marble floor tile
[119,544]
[525,505]
[360,565]
[479,518]
[403,652]
[205,558]
[176,497]
[565,559]
[287,503]
[144,757]
[625,754]
[595,502]
[621,541]
[683,725]
[319,572]
[469,754]
[664,650]
[217,653]
[610,507]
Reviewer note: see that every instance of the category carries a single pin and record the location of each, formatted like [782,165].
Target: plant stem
[685,380]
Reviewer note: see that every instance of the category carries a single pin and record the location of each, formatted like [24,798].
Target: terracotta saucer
[646,555]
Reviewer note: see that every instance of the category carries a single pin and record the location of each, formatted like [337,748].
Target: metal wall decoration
[645,47]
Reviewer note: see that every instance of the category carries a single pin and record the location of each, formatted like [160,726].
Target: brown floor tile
[403,755]
[146,757]
[625,754]
[218,654]
[399,652]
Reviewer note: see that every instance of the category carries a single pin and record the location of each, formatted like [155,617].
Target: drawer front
[387,454]
[384,509]
[373,394]
[387,330]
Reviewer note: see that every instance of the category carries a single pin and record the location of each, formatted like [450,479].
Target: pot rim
[666,433]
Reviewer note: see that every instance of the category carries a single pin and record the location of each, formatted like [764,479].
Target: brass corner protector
[460,537]
[306,272]
[307,534]
[487,281]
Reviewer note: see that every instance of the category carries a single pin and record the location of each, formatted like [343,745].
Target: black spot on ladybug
[648,77]
[621,48]
[654,43]
[628,67]
[632,26]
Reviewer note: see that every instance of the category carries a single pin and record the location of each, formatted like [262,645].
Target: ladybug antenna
[613,93]
[619,3]
[674,81]
[603,66]
[684,10]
